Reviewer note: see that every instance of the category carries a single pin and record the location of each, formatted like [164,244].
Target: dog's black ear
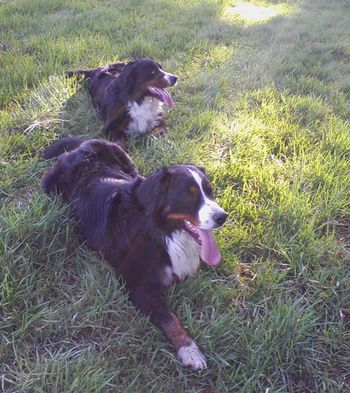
[202,170]
[129,71]
[152,192]
[165,175]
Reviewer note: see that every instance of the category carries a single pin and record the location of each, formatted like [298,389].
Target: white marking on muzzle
[208,209]
[168,77]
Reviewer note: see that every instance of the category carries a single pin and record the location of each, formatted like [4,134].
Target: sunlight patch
[252,13]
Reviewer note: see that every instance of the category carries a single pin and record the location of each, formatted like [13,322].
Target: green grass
[265,108]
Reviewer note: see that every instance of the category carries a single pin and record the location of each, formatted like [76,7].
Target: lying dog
[129,96]
[153,230]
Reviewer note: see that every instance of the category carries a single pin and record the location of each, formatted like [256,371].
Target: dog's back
[110,69]
[76,157]
[103,86]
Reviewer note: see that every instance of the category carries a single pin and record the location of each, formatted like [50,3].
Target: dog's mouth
[162,95]
[210,253]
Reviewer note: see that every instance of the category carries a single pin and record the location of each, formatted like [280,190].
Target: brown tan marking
[177,216]
[175,333]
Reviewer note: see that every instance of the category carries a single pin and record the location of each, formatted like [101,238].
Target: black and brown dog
[129,97]
[153,230]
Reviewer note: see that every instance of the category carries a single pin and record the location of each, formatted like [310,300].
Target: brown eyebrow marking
[194,189]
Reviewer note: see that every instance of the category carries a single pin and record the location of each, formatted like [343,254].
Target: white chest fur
[184,256]
[144,116]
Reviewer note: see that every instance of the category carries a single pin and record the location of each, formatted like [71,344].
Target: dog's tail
[59,147]
[83,73]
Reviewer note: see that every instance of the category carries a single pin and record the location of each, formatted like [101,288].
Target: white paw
[191,356]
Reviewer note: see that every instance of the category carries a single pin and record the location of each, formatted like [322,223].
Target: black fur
[67,144]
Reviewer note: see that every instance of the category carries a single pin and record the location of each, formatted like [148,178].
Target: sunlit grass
[258,12]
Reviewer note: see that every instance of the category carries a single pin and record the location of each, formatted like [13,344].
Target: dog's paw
[191,356]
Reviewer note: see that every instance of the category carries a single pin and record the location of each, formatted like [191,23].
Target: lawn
[263,103]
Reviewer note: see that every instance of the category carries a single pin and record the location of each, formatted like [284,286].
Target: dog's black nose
[173,79]
[220,218]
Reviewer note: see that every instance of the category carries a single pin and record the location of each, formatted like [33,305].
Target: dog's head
[181,197]
[150,76]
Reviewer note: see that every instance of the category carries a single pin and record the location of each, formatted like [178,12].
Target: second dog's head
[150,76]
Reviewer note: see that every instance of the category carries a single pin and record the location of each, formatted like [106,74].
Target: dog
[129,97]
[153,230]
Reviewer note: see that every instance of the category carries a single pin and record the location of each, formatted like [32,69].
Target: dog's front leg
[187,350]
[116,124]
[151,302]
[115,131]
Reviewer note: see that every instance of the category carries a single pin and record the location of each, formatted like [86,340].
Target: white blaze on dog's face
[210,214]
[169,78]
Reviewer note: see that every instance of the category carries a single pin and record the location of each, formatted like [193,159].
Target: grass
[264,106]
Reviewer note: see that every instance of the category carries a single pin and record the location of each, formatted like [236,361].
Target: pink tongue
[164,96]
[210,253]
